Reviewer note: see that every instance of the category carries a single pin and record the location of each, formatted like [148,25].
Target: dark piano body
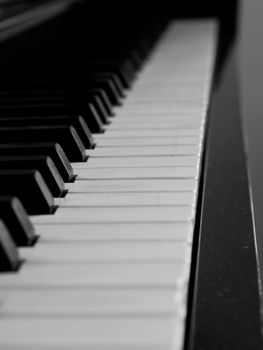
[224,296]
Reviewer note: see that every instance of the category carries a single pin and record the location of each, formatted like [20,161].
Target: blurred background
[251,75]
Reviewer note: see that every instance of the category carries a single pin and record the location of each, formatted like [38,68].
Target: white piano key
[137,173]
[183,70]
[160,109]
[145,87]
[106,251]
[121,199]
[153,133]
[195,74]
[140,141]
[132,113]
[147,161]
[162,90]
[135,185]
[105,334]
[107,274]
[118,214]
[176,124]
[98,232]
[128,118]
[90,302]
[177,103]
[166,99]
[143,151]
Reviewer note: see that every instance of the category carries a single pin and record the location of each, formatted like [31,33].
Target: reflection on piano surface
[125,211]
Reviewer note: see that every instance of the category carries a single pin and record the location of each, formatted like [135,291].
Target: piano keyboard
[111,267]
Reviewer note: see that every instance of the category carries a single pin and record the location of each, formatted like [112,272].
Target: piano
[126,218]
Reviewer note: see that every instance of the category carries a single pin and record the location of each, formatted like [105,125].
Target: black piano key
[16,220]
[94,116]
[76,100]
[53,150]
[107,84]
[136,59]
[89,71]
[43,164]
[99,82]
[64,135]
[106,81]
[97,60]
[82,129]
[120,75]
[76,121]
[115,82]
[101,112]
[88,113]
[31,189]
[97,128]
[120,88]
[9,257]
[103,98]
[122,70]
[76,96]
[56,97]
[121,66]
[98,78]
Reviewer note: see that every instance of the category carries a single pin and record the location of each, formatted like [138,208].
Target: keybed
[112,265]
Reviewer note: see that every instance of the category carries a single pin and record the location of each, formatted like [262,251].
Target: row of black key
[51,101]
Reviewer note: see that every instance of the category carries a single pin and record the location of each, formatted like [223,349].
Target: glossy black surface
[9,258]
[64,135]
[226,300]
[53,150]
[14,216]
[30,188]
